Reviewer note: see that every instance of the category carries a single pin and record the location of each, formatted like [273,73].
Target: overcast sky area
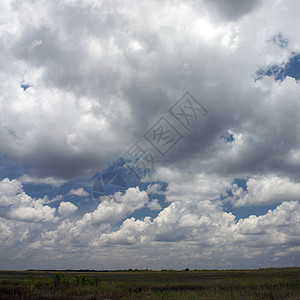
[149,134]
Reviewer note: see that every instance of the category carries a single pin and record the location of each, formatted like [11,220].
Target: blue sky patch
[229,138]
[280,40]
[246,211]
[25,86]
[281,71]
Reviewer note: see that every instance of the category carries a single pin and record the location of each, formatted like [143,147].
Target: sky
[149,134]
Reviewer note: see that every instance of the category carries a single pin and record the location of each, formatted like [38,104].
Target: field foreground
[204,284]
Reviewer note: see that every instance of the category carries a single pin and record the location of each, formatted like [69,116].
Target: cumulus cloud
[21,206]
[277,227]
[200,235]
[155,189]
[154,205]
[80,192]
[9,191]
[266,190]
[35,213]
[191,186]
[131,232]
[66,208]
[116,207]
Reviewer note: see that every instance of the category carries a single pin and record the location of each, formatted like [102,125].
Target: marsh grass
[205,284]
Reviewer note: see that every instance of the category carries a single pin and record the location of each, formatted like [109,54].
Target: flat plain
[275,283]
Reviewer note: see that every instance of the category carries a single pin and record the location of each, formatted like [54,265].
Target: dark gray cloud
[235,9]
[101,76]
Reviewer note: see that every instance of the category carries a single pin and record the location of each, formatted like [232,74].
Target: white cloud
[277,227]
[55,182]
[289,251]
[155,189]
[10,192]
[66,208]
[131,232]
[193,186]
[154,205]
[35,213]
[55,199]
[80,192]
[188,231]
[21,206]
[117,207]
[263,190]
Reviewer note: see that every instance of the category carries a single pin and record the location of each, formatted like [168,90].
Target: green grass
[204,284]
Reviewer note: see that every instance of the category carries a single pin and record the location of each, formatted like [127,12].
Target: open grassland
[203,284]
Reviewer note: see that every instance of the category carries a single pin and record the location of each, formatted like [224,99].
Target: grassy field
[204,284]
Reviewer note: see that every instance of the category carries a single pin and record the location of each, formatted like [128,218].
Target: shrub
[59,279]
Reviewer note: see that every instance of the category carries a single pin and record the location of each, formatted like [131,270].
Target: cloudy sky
[149,134]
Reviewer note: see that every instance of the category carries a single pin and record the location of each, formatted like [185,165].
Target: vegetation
[198,284]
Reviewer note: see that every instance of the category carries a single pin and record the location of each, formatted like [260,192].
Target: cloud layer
[81,82]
